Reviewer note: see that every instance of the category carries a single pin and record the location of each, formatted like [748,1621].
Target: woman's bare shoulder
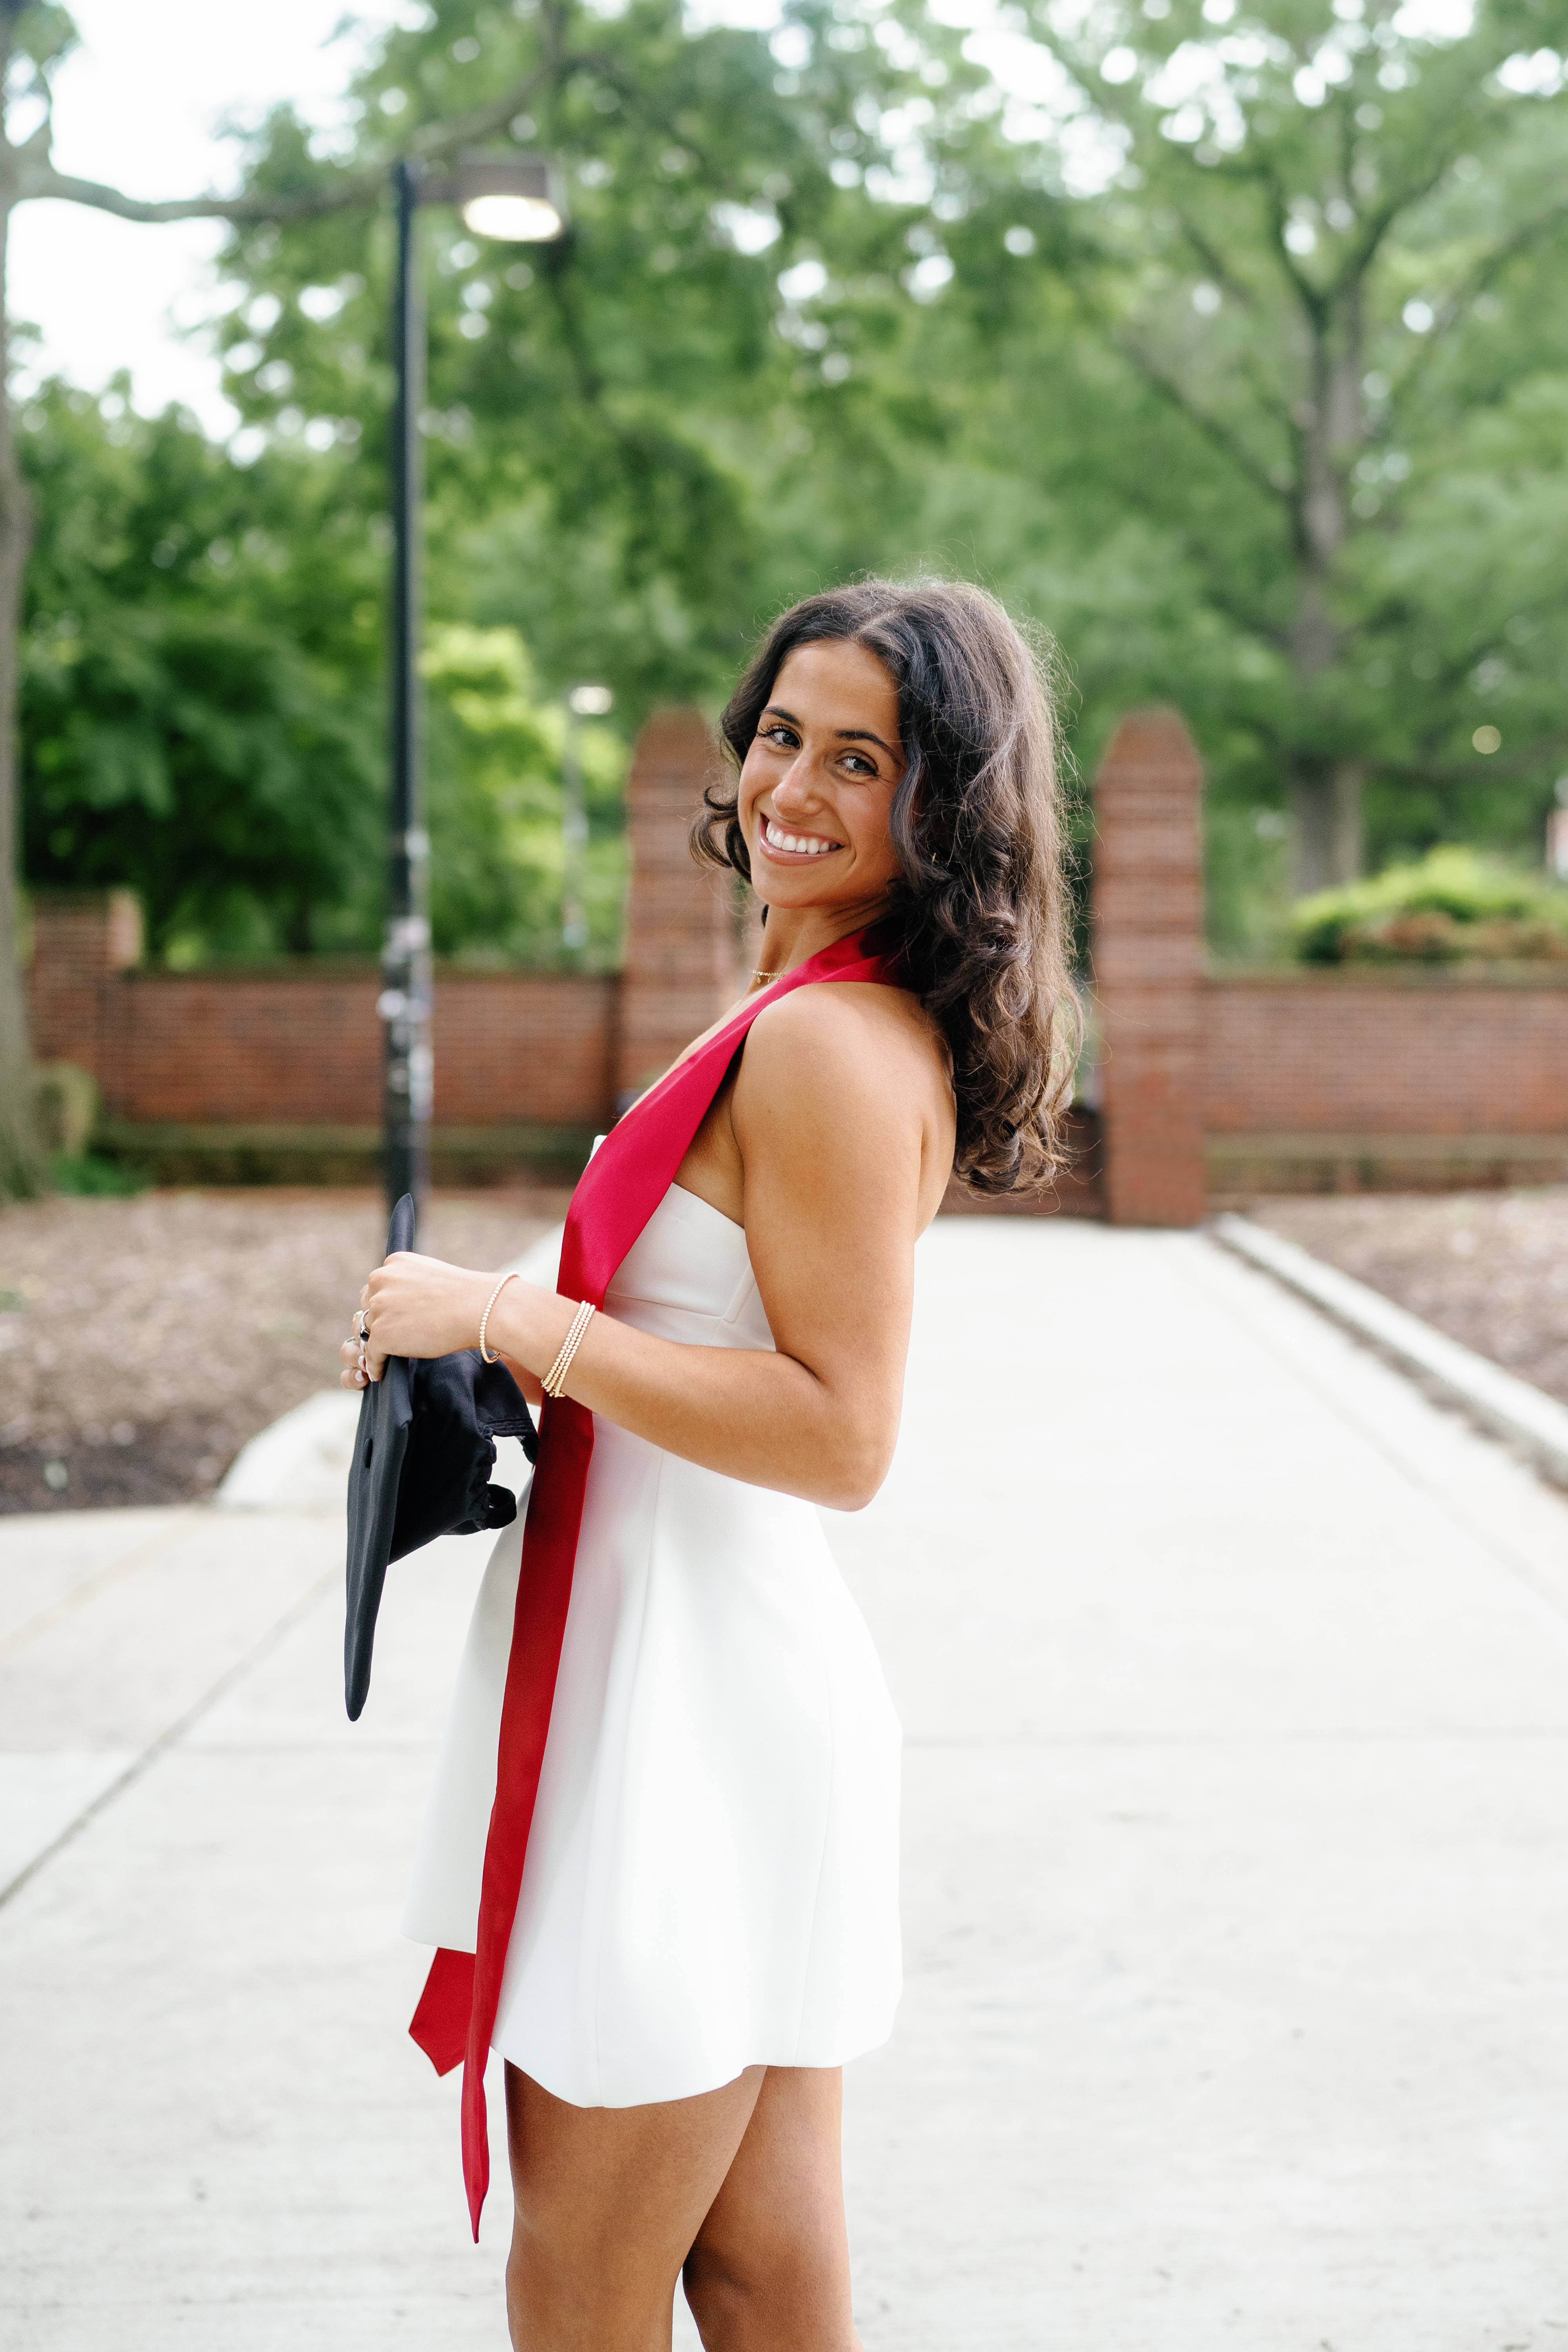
[859,1041]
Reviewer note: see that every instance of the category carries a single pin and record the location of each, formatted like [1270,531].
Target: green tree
[611,418]
[1238,361]
[621,379]
[34,36]
[200,693]
[1278,356]
[496,868]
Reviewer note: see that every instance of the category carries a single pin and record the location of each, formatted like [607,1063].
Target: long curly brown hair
[979,918]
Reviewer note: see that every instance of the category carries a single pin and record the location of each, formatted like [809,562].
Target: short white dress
[711,1877]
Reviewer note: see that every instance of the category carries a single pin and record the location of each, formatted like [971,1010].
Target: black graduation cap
[422,1456]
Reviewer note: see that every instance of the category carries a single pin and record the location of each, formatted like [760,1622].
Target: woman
[695,1747]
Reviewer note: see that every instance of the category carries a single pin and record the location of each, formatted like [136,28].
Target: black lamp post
[517,199]
[582,702]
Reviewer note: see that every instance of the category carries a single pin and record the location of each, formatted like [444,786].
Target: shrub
[1453,905]
[89,1173]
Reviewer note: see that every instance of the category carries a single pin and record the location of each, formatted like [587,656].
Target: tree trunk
[1325,808]
[1326,793]
[21,1155]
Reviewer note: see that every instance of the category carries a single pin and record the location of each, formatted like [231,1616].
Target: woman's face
[816,788]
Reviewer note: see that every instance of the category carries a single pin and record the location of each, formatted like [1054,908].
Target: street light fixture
[513,199]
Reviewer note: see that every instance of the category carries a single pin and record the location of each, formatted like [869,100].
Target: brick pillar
[1148,970]
[81,940]
[680,969]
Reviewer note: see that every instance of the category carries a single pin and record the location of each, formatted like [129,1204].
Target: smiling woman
[660,1861]
[947,712]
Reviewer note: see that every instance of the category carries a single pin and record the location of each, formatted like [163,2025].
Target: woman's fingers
[361,1364]
[422,1306]
[412,1306]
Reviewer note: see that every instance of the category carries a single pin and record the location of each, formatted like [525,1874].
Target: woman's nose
[795,788]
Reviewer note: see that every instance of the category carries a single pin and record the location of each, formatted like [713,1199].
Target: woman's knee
[736,2311]
[717,2302]
[790,2297]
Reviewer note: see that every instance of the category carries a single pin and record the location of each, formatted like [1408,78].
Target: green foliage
[1247,881]
[88,1174]
[1239,360]
[607,415]
[496,806]
[1451,905]
[1272,412]
[200,710]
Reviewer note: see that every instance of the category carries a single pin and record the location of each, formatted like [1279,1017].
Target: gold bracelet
[485,1318]
[554,1381]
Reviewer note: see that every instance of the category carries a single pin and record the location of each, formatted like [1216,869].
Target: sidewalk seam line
[53,1611]
[167,1740]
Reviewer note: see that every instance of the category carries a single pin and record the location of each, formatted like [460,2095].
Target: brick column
[1148,970]
[81,940]
[680,969]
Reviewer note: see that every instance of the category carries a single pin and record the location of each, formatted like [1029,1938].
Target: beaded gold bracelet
[485,1318]
[554,1381]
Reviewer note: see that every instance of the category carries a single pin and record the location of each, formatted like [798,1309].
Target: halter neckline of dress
[616,1195]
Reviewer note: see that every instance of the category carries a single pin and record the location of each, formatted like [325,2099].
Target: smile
[796,844]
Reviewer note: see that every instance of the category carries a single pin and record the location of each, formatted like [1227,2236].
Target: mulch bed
[1489,1268]
[143,1341]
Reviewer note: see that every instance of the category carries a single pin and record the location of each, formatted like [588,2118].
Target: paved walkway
[1235,1684]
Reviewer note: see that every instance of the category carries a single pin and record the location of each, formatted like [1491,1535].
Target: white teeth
[803,844]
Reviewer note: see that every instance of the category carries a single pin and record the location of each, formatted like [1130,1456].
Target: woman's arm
[830,1112]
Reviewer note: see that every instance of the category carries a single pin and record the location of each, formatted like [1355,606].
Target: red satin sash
[618,1192]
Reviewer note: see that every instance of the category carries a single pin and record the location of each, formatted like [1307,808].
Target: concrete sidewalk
[1235,1678]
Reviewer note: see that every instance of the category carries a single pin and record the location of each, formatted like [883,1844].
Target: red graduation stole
[618,1192]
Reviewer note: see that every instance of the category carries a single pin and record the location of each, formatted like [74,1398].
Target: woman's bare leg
[769,2271]
[606,2202]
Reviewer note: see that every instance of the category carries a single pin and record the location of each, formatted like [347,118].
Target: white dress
[712,1878]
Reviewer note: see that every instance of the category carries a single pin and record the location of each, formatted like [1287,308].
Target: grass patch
[90,1175]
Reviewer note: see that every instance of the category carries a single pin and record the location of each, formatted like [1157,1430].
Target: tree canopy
[200,694]
[1224,342]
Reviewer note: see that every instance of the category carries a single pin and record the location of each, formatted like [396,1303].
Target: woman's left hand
[421,1306]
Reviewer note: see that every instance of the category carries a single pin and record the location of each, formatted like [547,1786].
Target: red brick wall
[1148,970]
[201,1049]
[82,939]
[532,1046]
[679,964]
[1316,1066]
[1394,1053]
[298,1048]
[301,1046]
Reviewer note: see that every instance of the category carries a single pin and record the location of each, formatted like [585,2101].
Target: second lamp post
[515,199]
